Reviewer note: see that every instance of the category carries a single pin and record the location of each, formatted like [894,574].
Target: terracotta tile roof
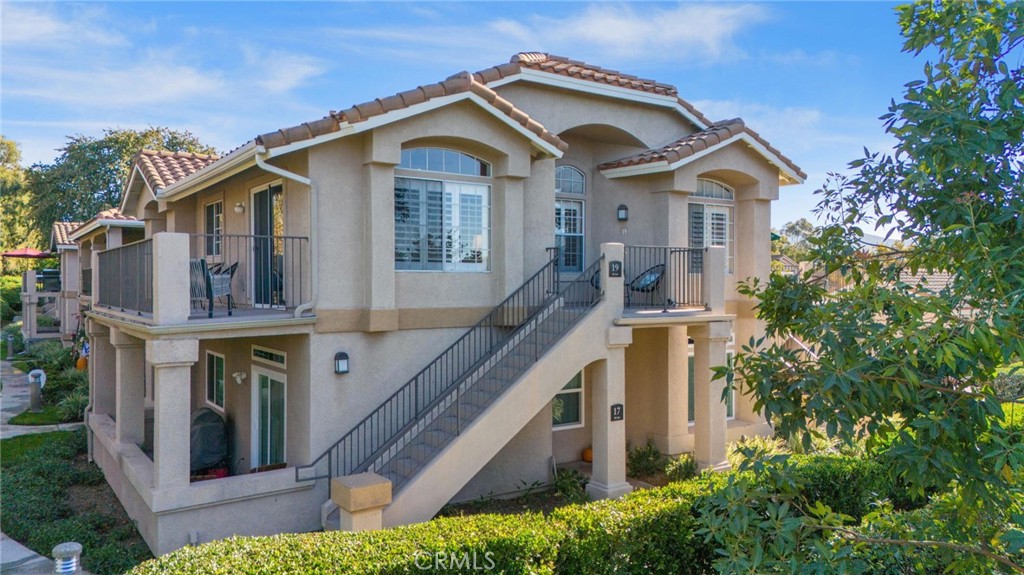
[163,168]
[111,214]
[61,231]
[457,84]
[698,142]
[933,282]
[563,66]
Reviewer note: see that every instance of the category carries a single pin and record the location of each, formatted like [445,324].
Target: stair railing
[366,441]
[527,345]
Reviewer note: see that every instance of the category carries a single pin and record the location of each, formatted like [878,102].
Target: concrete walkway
[15,558]
[14,399]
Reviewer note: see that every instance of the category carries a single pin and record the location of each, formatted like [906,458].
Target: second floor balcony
[178,278]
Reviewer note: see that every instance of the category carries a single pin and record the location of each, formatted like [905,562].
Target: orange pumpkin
[588,455]
[82,364]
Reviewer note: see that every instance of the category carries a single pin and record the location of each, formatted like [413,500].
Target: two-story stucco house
[431,296]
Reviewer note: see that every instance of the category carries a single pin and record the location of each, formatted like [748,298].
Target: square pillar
[130,388]
[608,388]
[711,426]
[361,500]
[171,305]
[102,368]
[713,279]
[672,394]
[172,362]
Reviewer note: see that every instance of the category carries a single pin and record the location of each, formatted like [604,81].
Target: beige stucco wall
[238,398]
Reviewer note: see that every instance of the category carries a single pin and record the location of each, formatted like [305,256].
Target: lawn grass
[24,366]
[15,448]
[52,494]
[48,416]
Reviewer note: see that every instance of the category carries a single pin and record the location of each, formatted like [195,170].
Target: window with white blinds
[711,224]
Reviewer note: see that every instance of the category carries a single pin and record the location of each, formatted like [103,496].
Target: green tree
[794,239]
[15,208]
[905,369]
[91,172]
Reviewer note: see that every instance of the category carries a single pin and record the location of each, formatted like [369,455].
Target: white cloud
[278,72]
[42,28]
[689,34]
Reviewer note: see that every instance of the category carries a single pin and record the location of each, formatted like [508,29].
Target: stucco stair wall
[444,474]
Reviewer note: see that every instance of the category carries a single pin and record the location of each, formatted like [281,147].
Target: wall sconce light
[622,213]
[239,208]
[340,363]
[239,377]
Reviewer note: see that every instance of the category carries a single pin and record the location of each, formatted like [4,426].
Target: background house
[455,288]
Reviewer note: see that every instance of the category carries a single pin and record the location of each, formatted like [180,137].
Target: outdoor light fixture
[622,213]
[239,377]
[340,363]
[239,208]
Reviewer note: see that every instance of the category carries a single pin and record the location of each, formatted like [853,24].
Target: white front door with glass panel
[268,418]
[268,264]
[569,229]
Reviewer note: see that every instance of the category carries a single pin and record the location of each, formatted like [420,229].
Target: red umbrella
[26,253]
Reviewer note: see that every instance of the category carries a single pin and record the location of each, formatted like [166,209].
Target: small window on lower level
[730,403]
[270,356]
[567,408]
[215,379]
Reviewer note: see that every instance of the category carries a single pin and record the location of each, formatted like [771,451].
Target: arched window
[712,189]
[569,180]
[442,222]
[711,218]
[570,218]
[446,161]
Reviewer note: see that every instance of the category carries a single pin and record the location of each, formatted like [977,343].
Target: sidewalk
[14,399]
[15,558]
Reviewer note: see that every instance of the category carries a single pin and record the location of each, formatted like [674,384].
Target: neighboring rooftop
[61,234]
[163,168]
[697,142]
[111,217]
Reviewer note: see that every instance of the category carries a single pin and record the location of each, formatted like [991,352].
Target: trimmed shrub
[470,544]
[848,485]
[1009,385]
[761,446]
[681,468]
[644,461]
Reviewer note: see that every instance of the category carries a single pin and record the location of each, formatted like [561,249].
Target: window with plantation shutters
[711,222]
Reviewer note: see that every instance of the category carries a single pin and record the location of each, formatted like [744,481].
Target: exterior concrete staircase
[437,431]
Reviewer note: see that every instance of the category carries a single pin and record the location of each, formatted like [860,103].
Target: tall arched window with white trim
[442,211]
[570,219]
[711,218]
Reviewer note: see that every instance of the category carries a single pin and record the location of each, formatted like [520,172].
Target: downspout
[313,203]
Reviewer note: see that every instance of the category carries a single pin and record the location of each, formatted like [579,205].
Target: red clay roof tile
[162,168]
[61,231]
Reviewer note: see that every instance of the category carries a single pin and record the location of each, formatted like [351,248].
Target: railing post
[170,278]
[614,287]
[713,279]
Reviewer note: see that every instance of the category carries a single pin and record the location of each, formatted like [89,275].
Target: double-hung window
[570,217]
[214,227]
[443,223]
[711,219]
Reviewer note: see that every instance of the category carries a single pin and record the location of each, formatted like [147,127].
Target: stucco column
[710,425]
[130,388]
[94,295]
[172,362]
[507,248]
[753,259]
[170,279]
[673,397]
[102,370]
[380,253]
[608,388]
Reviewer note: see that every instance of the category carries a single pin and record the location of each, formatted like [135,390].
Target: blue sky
[810,77]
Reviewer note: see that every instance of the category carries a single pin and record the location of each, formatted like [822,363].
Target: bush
[64,383]
[848,485]
[644,461]
[506,543]
[19,340]
[52,355]
[759,446]
[1009,385]
[681,468]
[72,407]
[10,292]
[571,485]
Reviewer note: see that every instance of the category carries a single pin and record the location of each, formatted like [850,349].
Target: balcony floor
[220,315]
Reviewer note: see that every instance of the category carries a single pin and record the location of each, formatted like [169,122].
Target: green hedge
[650,531]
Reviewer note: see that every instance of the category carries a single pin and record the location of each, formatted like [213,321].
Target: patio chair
[220,278]
[647,282]
[198,294]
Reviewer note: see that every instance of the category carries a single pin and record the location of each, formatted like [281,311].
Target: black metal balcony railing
[270,272]
[663,278]
[126,277]
[86,281]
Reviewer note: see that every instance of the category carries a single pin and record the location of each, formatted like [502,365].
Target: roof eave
[95,225]
[241,159]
